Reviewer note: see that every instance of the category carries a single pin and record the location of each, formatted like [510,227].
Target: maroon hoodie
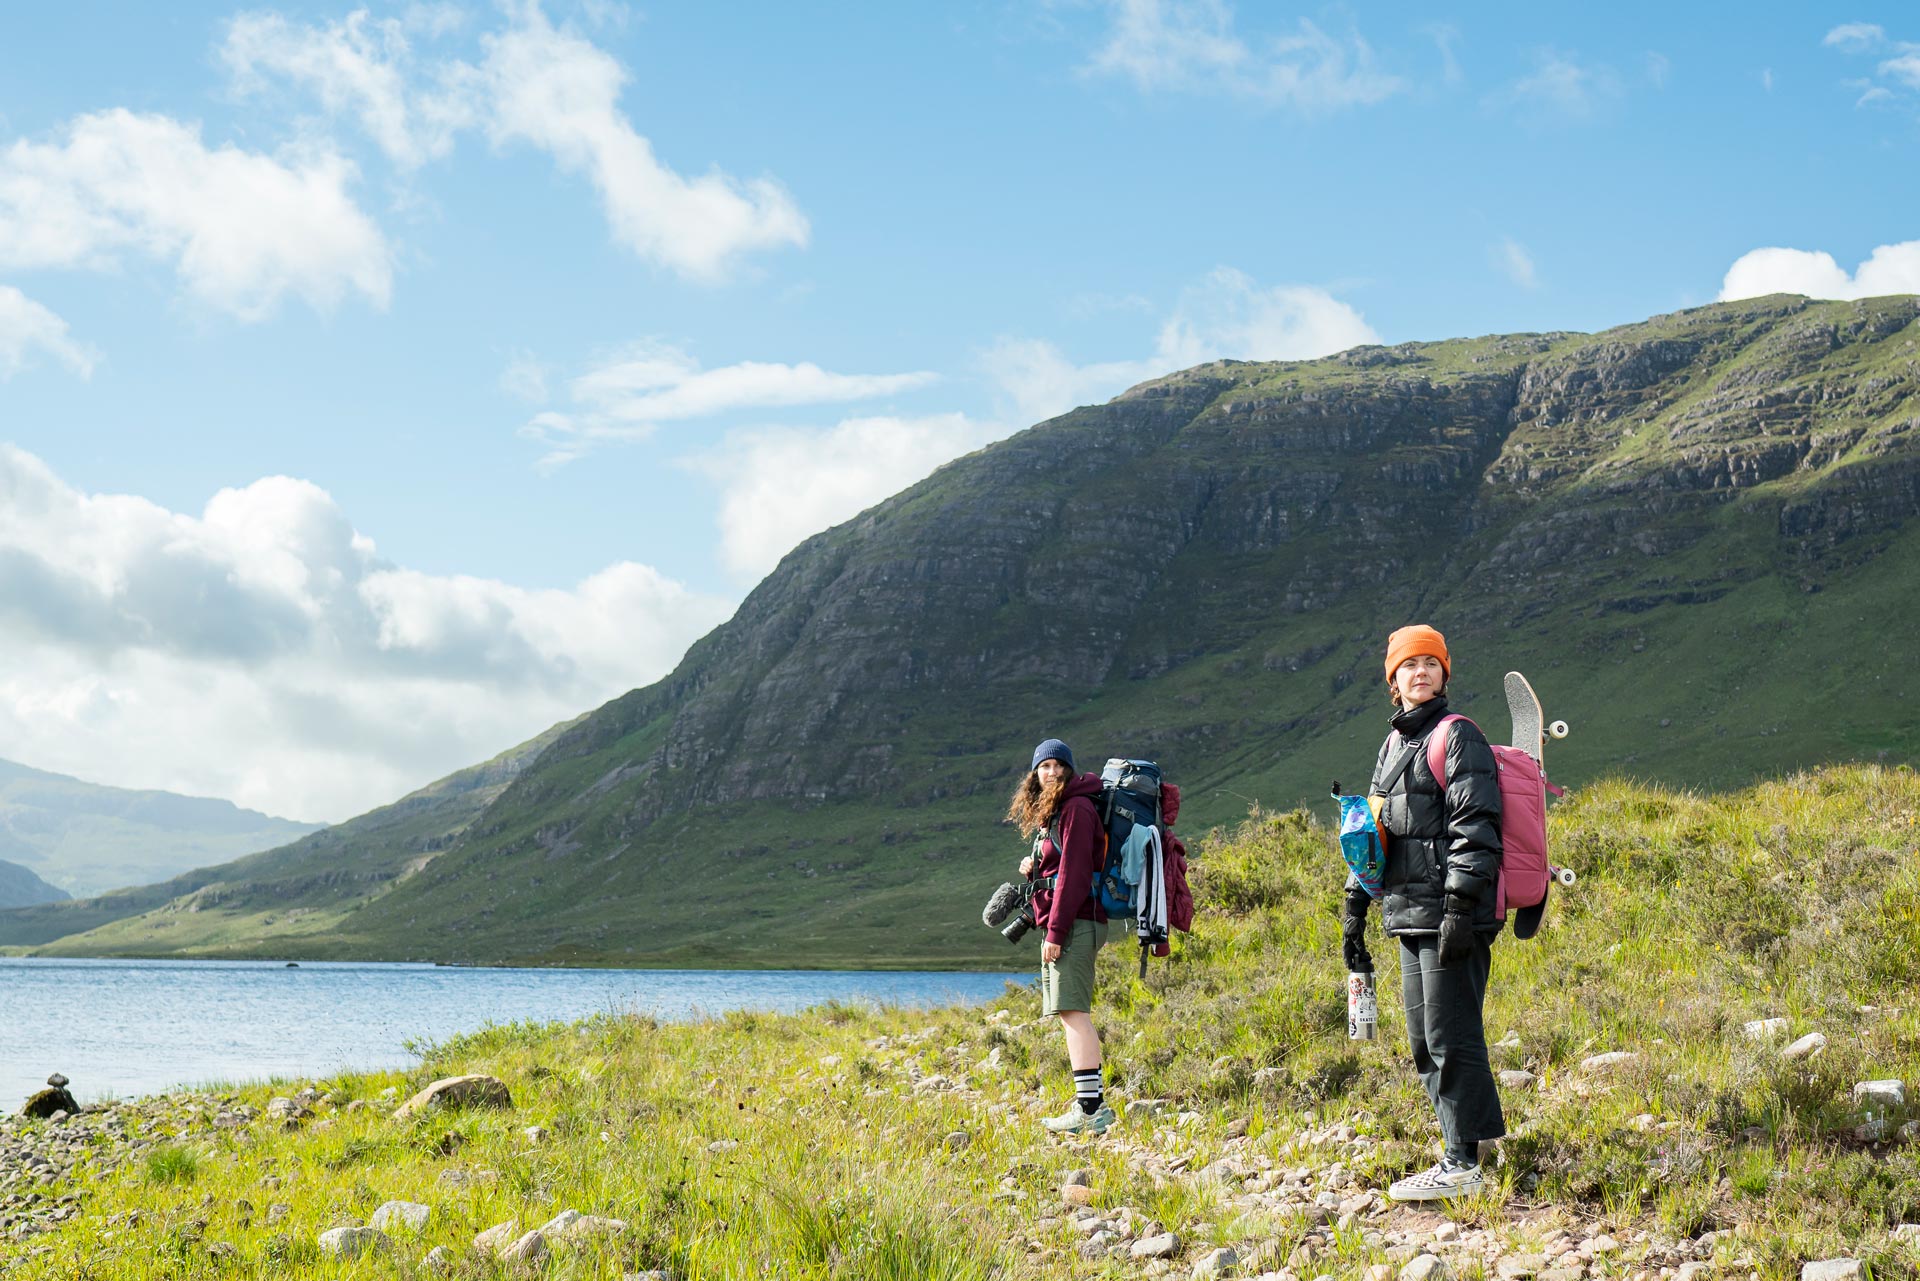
[1080,830]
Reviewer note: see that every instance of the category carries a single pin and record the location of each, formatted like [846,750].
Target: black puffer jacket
[1438,845]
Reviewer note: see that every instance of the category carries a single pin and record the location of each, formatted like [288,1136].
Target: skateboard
[1523,705]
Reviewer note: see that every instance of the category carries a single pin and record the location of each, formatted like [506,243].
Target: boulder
[1162,1245]
[475,1090]
[570,1225]
[1880,1094]
[1806,1047]
[1611,1059]
[528,1249]
[410,1215]
[351,1243]
[1834,1270]
[497,1238]
[1216,1263]
[1424,1267]
[53,1099]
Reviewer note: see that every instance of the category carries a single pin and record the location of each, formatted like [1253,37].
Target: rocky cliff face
[1069,556]
[1204,567]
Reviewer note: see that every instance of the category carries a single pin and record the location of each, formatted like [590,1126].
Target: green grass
[798,1146]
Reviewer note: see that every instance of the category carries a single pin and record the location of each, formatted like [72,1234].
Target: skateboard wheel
[1564,875]
[1558,729]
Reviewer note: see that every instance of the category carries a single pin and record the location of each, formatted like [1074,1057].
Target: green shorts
[1067,984]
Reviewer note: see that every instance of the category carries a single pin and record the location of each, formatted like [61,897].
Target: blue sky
[380,386]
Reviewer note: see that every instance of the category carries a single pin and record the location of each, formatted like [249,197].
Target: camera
[1010,910]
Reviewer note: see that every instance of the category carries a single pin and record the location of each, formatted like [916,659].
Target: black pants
[1449,1041]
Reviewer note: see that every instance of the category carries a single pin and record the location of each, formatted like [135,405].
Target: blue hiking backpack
[1129,805]
[1129,809]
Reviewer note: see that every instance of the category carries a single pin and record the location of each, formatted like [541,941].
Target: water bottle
[1363,1009]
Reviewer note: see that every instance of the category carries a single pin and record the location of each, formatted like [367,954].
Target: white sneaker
[1074,1120]
[1444,1181]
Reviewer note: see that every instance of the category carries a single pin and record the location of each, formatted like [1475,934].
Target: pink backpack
[1524,870]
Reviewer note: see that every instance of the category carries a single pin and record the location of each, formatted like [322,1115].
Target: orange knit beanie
[1413,641]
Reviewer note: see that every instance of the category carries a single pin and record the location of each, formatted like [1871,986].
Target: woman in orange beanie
[1437,899]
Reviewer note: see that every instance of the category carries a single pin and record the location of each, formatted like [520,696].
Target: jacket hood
[1087,785]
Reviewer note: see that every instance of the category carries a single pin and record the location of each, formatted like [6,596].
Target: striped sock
[1086,1089]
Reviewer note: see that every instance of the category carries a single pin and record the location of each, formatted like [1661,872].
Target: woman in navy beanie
[1054,807]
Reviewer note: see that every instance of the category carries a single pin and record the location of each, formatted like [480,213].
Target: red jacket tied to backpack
[1179,897]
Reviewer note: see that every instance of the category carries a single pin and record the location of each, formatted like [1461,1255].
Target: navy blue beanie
[1053,750]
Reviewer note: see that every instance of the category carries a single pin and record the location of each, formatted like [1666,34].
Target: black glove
[1353,933]
[1456,930]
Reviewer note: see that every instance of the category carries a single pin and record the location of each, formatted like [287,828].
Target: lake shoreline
[122,1028]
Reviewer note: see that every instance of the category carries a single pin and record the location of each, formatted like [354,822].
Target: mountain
[20,887]
[85,838]
[287,900]
[1693,533]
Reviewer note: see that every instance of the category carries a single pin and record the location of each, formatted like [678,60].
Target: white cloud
[535,84]
[1905,69]
[1038,382]
[1856,37]
[1890,269]
[525,378]
[242,229]
[262,651]
[359,66]
[1517,264]
[1230,316]
[27,327]
[560,93]
[1226,316]
[1562,84]
[1901,67]
[628,395]
[1445,36]
[779,486]
[1659,68]
[1191,46]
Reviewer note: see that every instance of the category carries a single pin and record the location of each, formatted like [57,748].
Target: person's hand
[1050,952]
[1353,933]
[1456,931]
[1026,866]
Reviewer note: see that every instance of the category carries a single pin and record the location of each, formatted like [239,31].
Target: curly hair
[1035,805]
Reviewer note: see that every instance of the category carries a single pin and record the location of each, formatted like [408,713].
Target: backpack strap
[1437,748]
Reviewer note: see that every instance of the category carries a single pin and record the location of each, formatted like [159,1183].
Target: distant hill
[288,900]
[1695,533]
[20,887]
[86,838]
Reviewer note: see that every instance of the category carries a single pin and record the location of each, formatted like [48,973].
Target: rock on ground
[476,1089]
[351,1243]
[410,1215]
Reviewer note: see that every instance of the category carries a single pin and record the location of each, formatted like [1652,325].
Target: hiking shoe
[1444,1181]
[1074,1121]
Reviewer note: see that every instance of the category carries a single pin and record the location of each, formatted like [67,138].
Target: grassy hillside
[847,1142]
